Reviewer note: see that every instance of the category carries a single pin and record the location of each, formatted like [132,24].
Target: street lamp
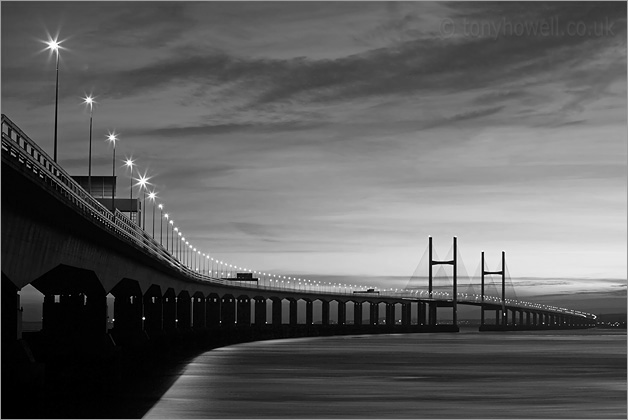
[89,100]
[152,195]
[161,219]
[178,246]
[185,250]
[167,221]
[112,138]
[53,45]
[129,164]
[142,181]
[172,237]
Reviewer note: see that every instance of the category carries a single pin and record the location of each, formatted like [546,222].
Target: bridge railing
[27,154]
[30,156]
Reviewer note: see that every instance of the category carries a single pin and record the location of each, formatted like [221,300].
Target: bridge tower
[504,316]
[433,304]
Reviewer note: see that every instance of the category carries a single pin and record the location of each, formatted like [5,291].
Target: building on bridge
[102,190]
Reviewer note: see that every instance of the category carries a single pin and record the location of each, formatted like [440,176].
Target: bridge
[75,251]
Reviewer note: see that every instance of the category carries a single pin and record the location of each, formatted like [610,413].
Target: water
[553,374]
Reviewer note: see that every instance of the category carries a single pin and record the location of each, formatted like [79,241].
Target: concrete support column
[498,316]
[169,311]
[293,312]
[527,318]
[244,310]
[325,312]
[432,312]
[357,313]
[406,314]
[127,310]
[374,318]
[276,311]
[95,324]
[260,310]
[390,314]
[309,312]
[153,310]
[227,310]
[422,313]
[10,308]
[212,310]
[184,311]
[535,320]
[199,318]
[342,313]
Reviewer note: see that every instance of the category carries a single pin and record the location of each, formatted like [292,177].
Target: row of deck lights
[476,297]
[185,252]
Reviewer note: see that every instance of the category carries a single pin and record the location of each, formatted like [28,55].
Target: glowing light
[89,100]
[129,163]
[53,45]
[152,195]
[142,181]
[112,138]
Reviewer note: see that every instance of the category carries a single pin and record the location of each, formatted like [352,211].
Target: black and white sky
[331,138]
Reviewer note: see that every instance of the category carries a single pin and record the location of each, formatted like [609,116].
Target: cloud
[206,129]
[468,115]
[255,229]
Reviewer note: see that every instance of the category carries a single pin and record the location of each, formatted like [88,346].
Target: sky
[328,140]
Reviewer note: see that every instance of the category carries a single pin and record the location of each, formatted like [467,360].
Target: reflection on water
[566,374]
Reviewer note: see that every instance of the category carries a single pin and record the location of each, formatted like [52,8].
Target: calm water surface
[564,374]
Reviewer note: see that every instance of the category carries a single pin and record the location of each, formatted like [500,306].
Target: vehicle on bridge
[370,291]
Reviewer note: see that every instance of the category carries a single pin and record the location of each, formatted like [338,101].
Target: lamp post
[129,164]
[142,182]
[53,45]
[161,225]
[171,223]
[179,247]
[167,221]
[152,195]
[112,138]
[88,100]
